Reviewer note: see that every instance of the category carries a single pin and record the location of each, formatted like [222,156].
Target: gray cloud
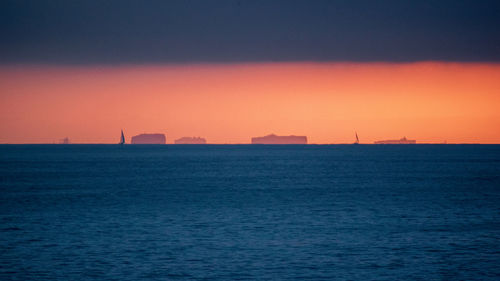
[125,31]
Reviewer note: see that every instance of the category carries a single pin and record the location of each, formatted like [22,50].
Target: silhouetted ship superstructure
[64,141]
[122,139]
[404,140]
[190,140]
[274,139]
[149,139]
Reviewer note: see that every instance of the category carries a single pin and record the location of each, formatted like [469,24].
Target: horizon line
[97,143]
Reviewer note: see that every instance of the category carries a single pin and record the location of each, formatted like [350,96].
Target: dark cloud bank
[125,31]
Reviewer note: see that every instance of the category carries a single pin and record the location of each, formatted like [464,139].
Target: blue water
[244,212]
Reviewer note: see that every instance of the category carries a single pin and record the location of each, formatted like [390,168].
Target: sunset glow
[230,103]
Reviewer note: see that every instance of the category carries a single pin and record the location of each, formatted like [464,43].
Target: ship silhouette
[403,140]
[274,139]
[148,139]
[357,139]
[122,139]
[190,140]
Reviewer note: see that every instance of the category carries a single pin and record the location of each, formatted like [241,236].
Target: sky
[232,70]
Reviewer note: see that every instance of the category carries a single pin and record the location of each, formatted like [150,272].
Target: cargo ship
[274,139]
[403,140]
[190,140]
[148,139]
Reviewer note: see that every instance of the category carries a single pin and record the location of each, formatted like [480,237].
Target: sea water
[249,212]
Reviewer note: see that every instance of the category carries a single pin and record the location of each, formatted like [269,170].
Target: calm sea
[249,212]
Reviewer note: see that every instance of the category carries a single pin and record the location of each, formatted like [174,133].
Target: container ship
[403,140]
[148,139]
[189,140]
[274,139]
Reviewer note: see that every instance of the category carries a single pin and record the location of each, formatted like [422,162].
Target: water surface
[249,212]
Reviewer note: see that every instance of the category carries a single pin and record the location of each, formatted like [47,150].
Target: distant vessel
[148,139]
[404,140]
[190,140]
[122,139]
[274,139]
[64,141]
[357,139]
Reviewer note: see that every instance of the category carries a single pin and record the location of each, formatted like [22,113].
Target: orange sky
[230,103]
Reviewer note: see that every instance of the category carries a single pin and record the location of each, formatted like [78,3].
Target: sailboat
[357,139]
[122,139]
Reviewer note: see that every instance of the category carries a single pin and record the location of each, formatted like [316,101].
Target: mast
[357,139]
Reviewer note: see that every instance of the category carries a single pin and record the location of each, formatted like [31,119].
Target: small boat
[357,139]
[122,139]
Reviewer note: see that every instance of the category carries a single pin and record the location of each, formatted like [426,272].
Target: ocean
[249,212]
